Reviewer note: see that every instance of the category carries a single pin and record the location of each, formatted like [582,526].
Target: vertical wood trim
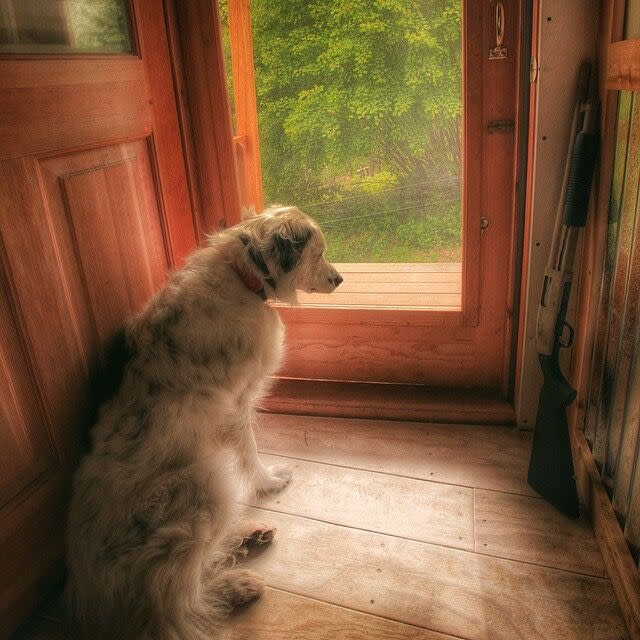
[528,201]
[184,114]
[473,72]
[525,109]
[201,40]
[246,108]
[174,195]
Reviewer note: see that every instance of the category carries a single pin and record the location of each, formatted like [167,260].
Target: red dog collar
[250,280]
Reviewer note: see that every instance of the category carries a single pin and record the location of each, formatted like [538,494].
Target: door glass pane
[360,122]
[64,26]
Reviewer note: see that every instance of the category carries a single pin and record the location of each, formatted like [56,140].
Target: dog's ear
[288,244]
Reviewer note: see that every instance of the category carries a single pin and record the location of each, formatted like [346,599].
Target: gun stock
[551,470]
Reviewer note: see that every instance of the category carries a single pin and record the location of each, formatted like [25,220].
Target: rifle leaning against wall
[551,471]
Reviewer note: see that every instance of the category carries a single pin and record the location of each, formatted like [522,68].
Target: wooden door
[94,209]
[455,330]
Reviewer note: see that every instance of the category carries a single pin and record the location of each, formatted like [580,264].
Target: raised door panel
[89,251]
[106,203]
[27,452]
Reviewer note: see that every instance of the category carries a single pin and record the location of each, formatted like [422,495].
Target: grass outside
[413,224]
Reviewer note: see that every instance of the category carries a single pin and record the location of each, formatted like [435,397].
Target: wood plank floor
[411,285]
[393,530]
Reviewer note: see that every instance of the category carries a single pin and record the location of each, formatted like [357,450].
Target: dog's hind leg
[192,510]
[233,587]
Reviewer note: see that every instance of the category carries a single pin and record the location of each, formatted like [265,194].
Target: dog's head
[285,248]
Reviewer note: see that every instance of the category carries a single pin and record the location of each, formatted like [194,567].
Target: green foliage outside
[360,112]
[99,25]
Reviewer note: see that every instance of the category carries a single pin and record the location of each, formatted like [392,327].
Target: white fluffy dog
[153,526]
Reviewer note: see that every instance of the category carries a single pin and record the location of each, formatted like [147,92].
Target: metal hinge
[533,69]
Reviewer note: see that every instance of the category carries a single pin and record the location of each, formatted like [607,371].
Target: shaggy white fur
[153,526]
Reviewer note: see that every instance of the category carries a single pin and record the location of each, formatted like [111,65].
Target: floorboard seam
[475,545]
[397,475]
[368,613]
[432,544]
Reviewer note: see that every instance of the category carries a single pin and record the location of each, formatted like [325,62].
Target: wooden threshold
[388,401]
[618,561]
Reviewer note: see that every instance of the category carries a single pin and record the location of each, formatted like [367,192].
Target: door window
[64,26]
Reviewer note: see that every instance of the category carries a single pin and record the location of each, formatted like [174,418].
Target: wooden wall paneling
[617,296]
[587,366]
[434,356]
[45,326]
[612,213]
[494,289]
[618,423]
[627,287]
[630,431]
[632,20]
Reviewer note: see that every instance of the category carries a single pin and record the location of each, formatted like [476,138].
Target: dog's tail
[198,618]
[169,596]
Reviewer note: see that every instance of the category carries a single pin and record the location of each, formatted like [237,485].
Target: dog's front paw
[277,479]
